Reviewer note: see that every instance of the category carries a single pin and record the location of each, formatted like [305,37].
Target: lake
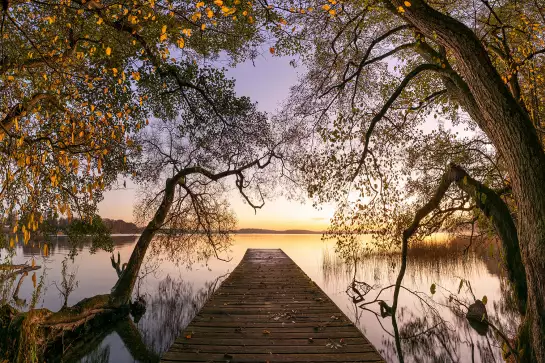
[174,293]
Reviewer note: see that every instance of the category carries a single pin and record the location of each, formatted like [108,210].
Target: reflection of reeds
[437,261]
[429,256]
[332,262]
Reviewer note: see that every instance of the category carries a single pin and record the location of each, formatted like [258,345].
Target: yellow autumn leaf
[227,11]
[200,4]
[181,42]
[196,16]
[209,13]
[34,279]
[400,10]
[100,21]
[203,26]
[108,51]
[11,78]
[326,7]
[407,4]
[187,32]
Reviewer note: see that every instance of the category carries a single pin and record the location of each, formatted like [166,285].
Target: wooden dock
[269,310]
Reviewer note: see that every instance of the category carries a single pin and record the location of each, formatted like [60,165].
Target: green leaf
[432,289]
[484,299]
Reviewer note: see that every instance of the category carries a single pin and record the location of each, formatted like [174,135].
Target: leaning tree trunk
[511,131]
[122,291]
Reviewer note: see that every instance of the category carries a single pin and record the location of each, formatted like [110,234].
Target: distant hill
[272,231]
[119,226]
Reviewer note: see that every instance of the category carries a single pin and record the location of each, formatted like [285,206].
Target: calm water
[174,294]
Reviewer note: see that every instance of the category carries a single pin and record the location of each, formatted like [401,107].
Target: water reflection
[171,309]
[433,324]
[174,294]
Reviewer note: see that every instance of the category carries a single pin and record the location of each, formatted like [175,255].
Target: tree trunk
[511,131]
[122,291]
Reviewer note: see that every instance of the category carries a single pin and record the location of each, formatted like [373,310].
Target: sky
[267,80]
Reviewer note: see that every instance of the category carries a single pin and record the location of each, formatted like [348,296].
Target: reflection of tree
[171,309]
[62,244]
[100,355]
[430,329]
[89,347]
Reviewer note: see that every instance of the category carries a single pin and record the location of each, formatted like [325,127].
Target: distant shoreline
[272,231]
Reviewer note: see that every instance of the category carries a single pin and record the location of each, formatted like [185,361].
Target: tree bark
[511,131]
[122,291]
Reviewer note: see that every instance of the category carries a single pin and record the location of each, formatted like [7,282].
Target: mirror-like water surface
[174,293]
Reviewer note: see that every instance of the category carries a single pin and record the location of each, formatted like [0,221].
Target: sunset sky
[266,81]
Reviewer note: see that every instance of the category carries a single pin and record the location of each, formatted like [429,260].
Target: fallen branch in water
[16,270]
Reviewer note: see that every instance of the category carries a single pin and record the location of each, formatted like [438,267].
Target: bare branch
[415,72]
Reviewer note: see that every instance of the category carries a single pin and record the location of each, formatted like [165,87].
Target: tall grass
[427,256]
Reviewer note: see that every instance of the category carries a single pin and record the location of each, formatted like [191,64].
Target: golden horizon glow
[279,214]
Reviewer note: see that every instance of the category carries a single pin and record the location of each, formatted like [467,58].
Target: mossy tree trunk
[483,94]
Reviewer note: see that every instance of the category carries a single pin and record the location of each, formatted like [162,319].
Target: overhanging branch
[415,72]
[493,207]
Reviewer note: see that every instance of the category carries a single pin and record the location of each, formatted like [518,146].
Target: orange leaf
[272,50]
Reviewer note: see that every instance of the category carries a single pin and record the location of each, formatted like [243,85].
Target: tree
[472,63]
[79,79]
[185,159]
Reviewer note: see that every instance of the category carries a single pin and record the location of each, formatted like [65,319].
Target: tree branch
[415,72]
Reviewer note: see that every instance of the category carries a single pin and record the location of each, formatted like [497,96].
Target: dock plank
[269,310]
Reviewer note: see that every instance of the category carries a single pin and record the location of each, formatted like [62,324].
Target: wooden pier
[269,310]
